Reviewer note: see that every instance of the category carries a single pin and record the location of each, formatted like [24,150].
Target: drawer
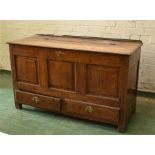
[92,111]
[40,101]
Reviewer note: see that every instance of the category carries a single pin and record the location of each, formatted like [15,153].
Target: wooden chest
[86,77]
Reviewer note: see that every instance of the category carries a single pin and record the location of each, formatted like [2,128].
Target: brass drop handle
[60,54]
[89,108]
[35,99]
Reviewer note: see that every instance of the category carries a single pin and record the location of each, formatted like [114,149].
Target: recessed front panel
[102,80]
[61,75]
[26,69]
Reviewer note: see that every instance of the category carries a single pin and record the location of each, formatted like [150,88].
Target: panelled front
[68,74]
[73,74]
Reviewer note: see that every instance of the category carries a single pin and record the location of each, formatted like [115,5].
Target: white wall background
[141,30]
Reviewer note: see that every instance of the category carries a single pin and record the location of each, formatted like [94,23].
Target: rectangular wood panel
[26,69]
[102,80]
[61,75]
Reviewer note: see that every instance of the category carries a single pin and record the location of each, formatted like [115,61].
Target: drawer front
[40,101]
[92,111]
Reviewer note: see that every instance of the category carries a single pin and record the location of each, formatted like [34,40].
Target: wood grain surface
[94,44]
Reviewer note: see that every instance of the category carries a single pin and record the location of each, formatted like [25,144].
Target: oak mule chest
[86,77]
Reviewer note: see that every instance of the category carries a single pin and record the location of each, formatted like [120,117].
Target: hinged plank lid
[92,44]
